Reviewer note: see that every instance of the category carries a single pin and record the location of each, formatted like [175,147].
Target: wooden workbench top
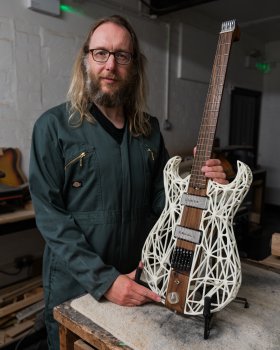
[154,327]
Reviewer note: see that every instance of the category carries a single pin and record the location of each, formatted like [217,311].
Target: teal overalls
[95,202]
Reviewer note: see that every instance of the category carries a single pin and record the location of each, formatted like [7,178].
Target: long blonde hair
[78,95]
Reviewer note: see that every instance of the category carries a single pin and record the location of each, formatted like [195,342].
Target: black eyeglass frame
[114,53]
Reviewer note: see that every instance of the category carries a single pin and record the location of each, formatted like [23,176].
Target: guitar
[191,252]
[12,175]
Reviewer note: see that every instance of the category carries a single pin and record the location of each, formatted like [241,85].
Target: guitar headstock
[231,26]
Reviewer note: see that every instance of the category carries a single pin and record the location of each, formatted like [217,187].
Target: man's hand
[125,291]
[214,170]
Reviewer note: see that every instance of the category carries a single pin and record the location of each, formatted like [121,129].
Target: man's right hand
[126,292]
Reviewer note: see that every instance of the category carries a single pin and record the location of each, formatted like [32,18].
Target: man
[96,175]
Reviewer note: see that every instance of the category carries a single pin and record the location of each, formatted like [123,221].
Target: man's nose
[111,62]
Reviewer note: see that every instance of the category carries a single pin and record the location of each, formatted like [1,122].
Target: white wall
[37,52]
[270,124]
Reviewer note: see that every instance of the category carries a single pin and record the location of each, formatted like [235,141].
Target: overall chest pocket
[82,183]
[77,159]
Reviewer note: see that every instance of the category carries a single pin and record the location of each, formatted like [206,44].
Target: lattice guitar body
[214,265]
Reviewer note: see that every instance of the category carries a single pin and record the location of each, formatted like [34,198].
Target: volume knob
[173,298]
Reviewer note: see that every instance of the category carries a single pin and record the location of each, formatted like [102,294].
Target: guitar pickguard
[215,270]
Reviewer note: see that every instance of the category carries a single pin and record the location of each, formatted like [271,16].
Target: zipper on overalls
[76,159]
[151,153]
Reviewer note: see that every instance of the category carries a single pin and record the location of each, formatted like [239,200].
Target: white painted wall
[37,52]
[36,56]
[270,124]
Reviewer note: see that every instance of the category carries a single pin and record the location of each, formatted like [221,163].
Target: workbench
[88,324]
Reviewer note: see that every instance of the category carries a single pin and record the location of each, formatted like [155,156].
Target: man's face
[109,83]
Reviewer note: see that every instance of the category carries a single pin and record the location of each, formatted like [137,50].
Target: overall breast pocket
[82,183]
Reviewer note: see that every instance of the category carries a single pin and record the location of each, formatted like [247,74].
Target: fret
[213,110]
[214,103]
[203,151]
[206,137]
[208,126]
[219,76]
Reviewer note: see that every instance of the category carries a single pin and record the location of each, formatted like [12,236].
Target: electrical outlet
[23,261]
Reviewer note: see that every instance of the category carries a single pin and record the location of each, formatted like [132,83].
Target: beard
[120,95]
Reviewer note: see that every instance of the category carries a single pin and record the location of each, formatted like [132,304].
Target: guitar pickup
[187,234]
[193,201]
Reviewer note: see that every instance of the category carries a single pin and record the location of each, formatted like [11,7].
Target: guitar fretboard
[212,106]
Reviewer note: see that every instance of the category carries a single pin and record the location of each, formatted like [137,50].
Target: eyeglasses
[102,56]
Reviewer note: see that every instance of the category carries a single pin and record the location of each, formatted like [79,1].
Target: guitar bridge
[182,259]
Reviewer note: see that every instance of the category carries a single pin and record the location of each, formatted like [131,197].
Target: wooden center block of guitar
[176,291]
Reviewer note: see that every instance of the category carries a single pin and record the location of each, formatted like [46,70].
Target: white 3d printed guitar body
[215,264]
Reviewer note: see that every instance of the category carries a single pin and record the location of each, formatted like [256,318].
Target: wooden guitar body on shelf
[191,255]
[10,159]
